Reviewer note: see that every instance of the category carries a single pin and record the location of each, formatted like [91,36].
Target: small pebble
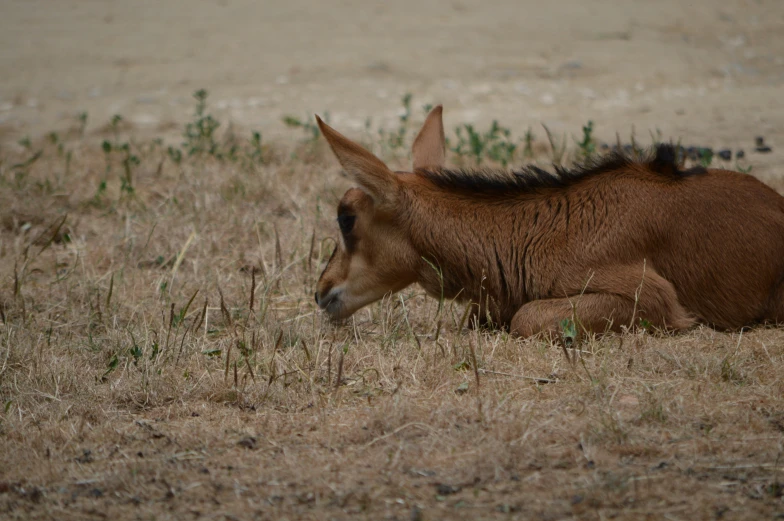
[759,141]
[86,457]
[444,490]
[763,149]
[248,442]
[725,154]
[740,154]
[35,495]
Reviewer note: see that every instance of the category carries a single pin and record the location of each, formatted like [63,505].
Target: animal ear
[366,169]
[429,149]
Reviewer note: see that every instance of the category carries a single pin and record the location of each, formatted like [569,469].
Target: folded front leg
[613,298]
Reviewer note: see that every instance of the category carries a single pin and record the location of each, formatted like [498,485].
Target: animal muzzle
[331,302]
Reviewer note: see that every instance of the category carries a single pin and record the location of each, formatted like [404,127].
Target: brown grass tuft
[161,356]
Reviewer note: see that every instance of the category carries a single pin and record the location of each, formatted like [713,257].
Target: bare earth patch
[161,356]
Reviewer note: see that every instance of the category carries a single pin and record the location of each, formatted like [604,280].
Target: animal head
[373,255]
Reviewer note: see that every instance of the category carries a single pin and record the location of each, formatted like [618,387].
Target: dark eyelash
[346,223]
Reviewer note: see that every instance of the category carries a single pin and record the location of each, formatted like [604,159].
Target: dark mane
[661,160]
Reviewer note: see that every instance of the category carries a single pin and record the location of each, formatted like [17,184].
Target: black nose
[317,297]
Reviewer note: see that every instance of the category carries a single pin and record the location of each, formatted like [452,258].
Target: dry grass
[161,357]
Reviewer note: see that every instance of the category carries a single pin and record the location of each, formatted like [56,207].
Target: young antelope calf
[607,244]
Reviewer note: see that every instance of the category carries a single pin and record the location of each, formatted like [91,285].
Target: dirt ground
[698,70]
[126,394]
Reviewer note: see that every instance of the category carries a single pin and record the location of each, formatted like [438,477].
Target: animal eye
[346,223]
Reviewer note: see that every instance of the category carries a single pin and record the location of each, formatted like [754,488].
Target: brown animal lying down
[608,244]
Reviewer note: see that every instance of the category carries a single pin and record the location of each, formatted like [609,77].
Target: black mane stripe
[661,160]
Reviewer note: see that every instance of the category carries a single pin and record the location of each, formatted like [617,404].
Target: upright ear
[429,149]
[366,169]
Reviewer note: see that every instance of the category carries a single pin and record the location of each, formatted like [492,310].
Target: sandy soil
[705,71]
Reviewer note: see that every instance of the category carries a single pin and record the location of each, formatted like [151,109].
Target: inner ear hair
[369,171]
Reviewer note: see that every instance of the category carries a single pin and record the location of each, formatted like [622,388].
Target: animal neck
[475,249]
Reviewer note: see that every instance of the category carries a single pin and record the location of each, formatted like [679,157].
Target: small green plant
[256,153]
[106,146]
[743,169]
[568,331]
[406,100]
[175,154]
[22,170]
[136,352]
[468,144]
[396,139]
[728,371]
[99,193]
[706,157]
[129,161]
[308,126]
[200,136]
[587,145]
[114,361]
[501,149]
[529,137]
[82,119]
[494,144]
